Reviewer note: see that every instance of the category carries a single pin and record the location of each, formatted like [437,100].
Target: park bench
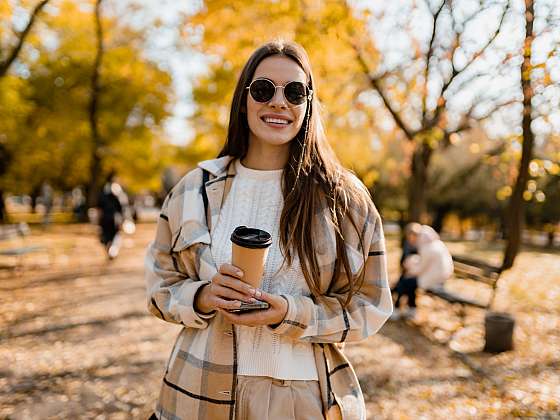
[471,269]
[498,327]
[18,232]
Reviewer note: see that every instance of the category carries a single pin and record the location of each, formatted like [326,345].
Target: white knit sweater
[255,200]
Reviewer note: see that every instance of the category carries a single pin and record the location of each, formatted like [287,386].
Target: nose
[278,100]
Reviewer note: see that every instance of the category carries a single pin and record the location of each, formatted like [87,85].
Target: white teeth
[275,120]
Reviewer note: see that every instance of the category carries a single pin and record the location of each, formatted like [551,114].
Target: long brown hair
[312,173]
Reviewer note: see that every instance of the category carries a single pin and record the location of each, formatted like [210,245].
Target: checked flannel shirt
[200,376]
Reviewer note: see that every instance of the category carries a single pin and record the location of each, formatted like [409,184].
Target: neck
[265,156]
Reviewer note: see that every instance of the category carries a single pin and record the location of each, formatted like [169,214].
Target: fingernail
[258,293]
[253,300]
[252,291]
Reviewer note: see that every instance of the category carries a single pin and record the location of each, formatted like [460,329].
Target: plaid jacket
[200,376]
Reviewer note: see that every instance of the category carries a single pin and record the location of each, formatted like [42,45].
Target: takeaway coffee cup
[249,252]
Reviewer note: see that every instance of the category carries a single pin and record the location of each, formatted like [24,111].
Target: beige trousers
[263,398]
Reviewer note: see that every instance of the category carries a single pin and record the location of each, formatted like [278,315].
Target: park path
[77,342]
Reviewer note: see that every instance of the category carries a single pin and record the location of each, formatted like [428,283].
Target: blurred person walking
[79,207]
[47,200]
[112,206]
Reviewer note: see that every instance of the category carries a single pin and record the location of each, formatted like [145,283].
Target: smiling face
[276,122]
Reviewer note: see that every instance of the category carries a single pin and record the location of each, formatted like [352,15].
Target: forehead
[280,69]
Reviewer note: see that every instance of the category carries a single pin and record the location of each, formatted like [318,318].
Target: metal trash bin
[498,334]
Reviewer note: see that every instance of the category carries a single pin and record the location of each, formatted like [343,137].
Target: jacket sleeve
[323,319]
[170,291]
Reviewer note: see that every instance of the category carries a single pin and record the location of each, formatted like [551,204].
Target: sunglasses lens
[262,90]
[295,93]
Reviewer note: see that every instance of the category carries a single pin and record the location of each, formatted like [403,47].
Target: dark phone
[245,307]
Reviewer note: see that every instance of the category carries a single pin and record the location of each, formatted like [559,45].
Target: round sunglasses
[263,90]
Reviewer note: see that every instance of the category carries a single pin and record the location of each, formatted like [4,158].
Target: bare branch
[469,119]
[495,108]
[429,7]
[473,15]
[476,55]
[4,66]
[468,81]
[395,71]
[429,55]
[375,83]
[551,20]
[442,101]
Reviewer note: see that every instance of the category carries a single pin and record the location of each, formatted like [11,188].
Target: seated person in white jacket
[433,264]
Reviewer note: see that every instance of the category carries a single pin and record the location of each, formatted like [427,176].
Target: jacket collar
[218,166]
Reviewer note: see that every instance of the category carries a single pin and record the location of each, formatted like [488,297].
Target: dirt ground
[77,342]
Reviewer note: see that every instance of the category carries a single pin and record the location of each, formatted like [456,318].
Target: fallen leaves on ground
[77,341]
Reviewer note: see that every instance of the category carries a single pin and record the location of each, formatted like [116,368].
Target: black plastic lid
[251,237]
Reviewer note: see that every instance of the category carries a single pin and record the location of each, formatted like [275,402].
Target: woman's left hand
[273,315]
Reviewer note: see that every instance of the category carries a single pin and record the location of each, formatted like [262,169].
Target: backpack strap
[205,178]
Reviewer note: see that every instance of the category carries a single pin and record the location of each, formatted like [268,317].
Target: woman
[325,276]
[433,265]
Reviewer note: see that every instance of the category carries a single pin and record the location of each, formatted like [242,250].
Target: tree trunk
[439,217]
[402,225]
[97,142]
[95,183]
[516,207]
[418,183]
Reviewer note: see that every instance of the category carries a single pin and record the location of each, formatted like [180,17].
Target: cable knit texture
[255,200]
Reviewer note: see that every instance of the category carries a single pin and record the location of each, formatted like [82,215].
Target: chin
[279,142]
[274,140]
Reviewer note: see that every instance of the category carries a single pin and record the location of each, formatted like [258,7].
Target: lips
[276,120]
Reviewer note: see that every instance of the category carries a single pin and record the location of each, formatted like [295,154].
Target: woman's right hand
[226,291]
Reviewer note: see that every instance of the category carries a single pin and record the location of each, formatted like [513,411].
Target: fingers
[229,276]
[267,297]
[224,304]
[231,270]
[229,293]
[271,316]
[232,283]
